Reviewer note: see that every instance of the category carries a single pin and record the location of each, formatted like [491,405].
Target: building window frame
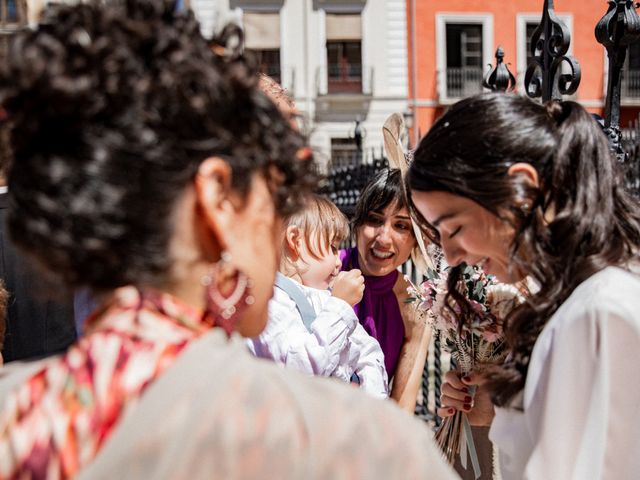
[442,19]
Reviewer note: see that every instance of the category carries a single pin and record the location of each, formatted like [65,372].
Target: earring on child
[227,293]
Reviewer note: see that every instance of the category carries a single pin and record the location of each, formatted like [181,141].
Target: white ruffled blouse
[579,415]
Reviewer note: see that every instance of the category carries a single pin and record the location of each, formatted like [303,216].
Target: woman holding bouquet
[155,172]
[384,240]
[529,190]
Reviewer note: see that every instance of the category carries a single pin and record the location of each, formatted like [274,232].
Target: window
[262,38]
[530,28]
[464,59]
[630,88]
[9,11]
[344,66]
[464,45]
[344,53]
[269,62]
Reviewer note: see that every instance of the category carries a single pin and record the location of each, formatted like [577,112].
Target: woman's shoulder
[292,425]
[608,300]
[611,292]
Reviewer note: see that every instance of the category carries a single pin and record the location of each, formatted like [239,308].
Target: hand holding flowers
[471,330]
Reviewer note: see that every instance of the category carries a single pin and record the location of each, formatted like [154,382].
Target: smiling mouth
[381,254]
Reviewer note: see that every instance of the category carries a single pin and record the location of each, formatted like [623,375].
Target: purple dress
[378,311]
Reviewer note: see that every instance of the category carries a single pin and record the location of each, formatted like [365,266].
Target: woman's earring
[526,208]
[227,293]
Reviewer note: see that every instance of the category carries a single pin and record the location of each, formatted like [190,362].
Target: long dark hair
[113,106]
[579,221]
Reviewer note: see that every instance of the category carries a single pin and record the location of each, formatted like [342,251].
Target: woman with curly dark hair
[530,190]
[155,172]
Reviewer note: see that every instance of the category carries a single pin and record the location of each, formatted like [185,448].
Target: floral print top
[55,423]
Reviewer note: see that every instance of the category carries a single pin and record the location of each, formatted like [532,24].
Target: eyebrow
[442,218]
[399,217]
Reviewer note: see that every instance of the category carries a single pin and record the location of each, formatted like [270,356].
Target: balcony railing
[630,87]
[460,82]
[344,78]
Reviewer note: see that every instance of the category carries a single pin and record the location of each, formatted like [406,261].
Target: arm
[369,363]
[413,355]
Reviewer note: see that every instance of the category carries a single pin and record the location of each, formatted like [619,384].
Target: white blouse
[337,345]
[579,415]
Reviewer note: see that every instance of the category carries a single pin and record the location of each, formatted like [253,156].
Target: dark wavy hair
[581,219]
[383,189]
[113,106]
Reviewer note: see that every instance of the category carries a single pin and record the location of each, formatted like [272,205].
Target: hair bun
[555,111]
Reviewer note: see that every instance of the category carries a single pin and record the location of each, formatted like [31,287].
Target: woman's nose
[383,235]
[453,253]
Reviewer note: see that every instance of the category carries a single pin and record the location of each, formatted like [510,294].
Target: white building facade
[341,60]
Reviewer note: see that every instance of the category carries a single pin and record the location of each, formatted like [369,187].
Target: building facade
[13,16]
[452,43]
[341,61]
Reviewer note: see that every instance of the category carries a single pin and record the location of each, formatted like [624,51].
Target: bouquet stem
[454,437]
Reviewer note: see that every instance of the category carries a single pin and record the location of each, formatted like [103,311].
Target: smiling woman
[530,190]
[467,232]
[384,240]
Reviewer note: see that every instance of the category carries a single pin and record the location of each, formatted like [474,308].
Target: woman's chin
[375,267]
[252,323]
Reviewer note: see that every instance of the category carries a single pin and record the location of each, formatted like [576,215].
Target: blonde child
[312,326]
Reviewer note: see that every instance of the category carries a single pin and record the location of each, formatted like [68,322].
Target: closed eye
[455,232]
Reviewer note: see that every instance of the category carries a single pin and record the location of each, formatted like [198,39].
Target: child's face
[320,272]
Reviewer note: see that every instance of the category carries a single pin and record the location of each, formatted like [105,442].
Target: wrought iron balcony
[460,82]
[630,87]
[344,78]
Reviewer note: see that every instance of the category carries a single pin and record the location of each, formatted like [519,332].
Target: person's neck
[293,276]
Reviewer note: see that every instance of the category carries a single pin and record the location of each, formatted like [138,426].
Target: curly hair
[581,218]
[112,107]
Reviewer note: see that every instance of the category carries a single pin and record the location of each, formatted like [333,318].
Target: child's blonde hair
[321,225]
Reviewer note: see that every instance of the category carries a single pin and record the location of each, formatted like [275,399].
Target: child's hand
[349,286]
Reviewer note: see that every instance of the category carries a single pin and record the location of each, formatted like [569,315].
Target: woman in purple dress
[384,240]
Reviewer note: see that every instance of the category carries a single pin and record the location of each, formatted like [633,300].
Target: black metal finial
[357,135]
[499,78]
[619,28]
[549,46]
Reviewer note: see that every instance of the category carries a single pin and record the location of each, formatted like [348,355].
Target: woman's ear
[527,174]
[525,171]
[213,189]
[292,239]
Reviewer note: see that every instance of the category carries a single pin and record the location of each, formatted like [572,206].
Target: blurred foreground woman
[155,173]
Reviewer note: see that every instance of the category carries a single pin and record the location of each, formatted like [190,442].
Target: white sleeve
[287,341]
[370,363]
[583,415]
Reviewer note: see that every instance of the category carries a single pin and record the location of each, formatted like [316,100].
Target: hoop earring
[227,293]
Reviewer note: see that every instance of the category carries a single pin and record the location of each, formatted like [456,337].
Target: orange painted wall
[589,53]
